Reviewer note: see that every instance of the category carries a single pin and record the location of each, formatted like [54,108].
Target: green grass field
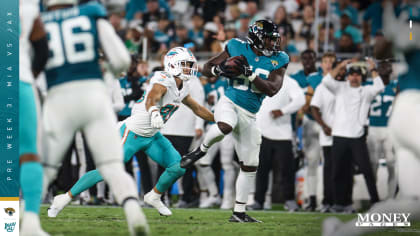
[81,220]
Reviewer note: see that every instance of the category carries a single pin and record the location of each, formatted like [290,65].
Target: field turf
[81,220]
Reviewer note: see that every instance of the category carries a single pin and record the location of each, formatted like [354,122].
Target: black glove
[224,70]
[245,68]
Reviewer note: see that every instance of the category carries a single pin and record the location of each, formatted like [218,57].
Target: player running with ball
[256,68]
[140,131]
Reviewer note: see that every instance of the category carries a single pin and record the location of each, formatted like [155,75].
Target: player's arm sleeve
[115,50]
[198,94]
[331,84]
[117,97]
[297,98]
[376,88]
[401,37]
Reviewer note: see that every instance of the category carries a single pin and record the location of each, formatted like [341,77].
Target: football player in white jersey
[141,131]
[32,37]
[77,97]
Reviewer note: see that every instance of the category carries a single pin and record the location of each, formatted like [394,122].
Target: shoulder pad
[94,9]
[283,58]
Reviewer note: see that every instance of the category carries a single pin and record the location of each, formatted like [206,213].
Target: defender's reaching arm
[198,109]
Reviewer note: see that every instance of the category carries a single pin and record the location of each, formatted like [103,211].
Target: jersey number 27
[64,42]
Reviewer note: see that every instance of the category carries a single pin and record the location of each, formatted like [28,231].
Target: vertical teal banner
[9,94]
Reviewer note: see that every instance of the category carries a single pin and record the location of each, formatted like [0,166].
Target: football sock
[119,181]
[312,185]
[85,182]
[229,177]
[101,190]
[392,180]
[31,183]
[169,176]
[200,178]
[245,179]
[212,136]
[210,180]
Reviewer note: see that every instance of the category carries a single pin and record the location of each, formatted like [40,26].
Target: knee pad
[176,170]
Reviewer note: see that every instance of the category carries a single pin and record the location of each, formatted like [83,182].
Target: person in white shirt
[274,121]
[322,108]
[348,130]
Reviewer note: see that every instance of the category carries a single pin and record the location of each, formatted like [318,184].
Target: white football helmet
[180,62]
[50,3]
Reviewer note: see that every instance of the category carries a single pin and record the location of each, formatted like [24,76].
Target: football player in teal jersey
[259,71]
[403,124]
[78,100]
[32,41]
[379,138]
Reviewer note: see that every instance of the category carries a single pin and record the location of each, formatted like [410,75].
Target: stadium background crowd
[150,27]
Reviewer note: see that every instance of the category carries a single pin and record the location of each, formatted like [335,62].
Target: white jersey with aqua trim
[28,12]
[139,121]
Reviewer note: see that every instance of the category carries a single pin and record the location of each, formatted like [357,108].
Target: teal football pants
[157,147]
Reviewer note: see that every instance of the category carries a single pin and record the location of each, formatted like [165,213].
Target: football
[235,65]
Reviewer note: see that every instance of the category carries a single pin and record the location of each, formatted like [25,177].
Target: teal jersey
[127,88]
[381,107]
[240,91]
[218,87]
[73,43]
[301,78]
[315,79]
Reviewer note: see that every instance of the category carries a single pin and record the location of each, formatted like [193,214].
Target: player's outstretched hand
[156,120]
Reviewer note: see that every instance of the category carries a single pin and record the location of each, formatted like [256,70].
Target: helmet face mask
[264,37]
[181,63]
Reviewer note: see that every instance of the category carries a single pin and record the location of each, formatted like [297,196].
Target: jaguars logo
[274,63]
[260,25]
[10,211]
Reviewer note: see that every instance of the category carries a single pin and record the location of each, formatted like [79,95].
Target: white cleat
[31,226]
[330,226]
[211,201]
[59,202]
[154,200]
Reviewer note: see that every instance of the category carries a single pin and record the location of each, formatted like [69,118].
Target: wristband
[152,109]
[213,68]
[252,77]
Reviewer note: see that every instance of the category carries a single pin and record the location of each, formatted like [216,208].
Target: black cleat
[189,159]
[242,217]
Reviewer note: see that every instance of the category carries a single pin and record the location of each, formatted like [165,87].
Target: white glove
[155,118]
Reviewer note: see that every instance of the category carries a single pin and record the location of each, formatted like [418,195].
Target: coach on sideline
[348,130]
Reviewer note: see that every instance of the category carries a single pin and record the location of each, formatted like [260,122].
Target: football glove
[156,120]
